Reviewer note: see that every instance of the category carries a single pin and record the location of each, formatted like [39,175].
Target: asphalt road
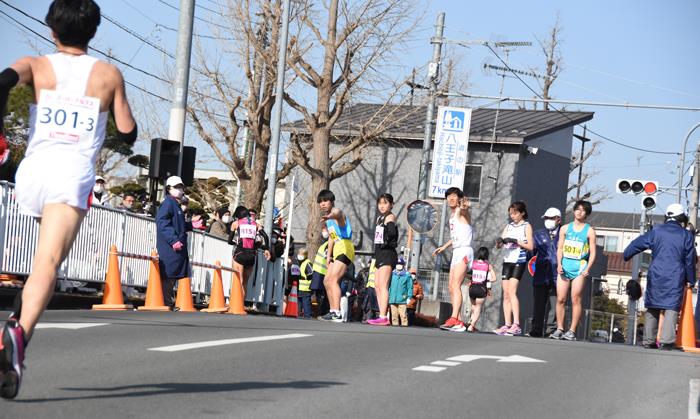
[327,370]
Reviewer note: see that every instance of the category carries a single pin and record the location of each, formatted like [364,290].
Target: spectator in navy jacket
[672,268]
[171,238]
[544,281]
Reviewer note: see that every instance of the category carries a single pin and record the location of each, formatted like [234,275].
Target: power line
[48,41]
[567,117]
[196,17]
[104,54]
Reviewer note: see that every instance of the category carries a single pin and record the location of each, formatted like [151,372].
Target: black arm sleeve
[391,231]
[8,79]
[129,137]
[266,240]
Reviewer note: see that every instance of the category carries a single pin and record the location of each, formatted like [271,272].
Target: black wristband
[129,137]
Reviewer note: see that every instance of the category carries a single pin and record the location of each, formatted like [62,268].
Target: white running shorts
[462,254]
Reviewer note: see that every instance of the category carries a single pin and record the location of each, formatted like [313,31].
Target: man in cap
[672,268]
[544,280]
[171,238]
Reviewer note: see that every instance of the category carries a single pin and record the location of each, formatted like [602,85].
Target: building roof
[407,122]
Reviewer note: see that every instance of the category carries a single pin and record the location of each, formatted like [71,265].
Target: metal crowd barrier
[132,233]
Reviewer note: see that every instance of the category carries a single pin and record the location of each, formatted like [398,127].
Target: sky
[626,51]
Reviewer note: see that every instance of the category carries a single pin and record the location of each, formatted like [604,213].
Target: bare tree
[231,121]
[554,65]
[554,61]
[593,195]
[342,60]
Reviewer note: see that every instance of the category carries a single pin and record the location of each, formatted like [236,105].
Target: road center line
[207,344]
[72,326]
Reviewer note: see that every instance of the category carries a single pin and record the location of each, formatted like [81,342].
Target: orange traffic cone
[183,300]
[112,298]
[217,303]
[154,292]
[685,338]
[292,309]
[235,300]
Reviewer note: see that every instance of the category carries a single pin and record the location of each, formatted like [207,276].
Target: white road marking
[469,358]
[72,326]
[518,358]
[694,399]
[511,359]
[446,363]
[428,368]
[207,344]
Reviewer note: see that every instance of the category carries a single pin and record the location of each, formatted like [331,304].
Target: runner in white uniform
[73,94]
[462,254]
[59,164]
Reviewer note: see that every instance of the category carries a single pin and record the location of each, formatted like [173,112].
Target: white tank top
[515,253]
[65,121]
[460,233]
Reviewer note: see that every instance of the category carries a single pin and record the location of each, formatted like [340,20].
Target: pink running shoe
[514,330]
[11,359]
[379,321]
[501,331]
[450,323]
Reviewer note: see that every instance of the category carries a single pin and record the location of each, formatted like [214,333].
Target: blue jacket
[172,228]
[546,252]
[672,264]
[401,288]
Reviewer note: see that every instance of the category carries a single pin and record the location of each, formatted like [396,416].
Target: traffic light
[647,188]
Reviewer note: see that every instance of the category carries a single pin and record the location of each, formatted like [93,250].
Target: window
[611,244]
[600,240]
[472,181]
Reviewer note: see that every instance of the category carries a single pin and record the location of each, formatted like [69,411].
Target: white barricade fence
[131,233]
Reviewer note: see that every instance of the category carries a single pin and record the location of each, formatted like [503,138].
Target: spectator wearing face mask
[100,195]
[400,294]
[171,238]
[219,227]
[128,202]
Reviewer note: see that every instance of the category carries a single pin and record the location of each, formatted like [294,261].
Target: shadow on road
[159,389]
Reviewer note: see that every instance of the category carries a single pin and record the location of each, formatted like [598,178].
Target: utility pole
[636,264]
[276,119]
[176,123]
[693,210]
[584,140]
[433,76]
[694,218]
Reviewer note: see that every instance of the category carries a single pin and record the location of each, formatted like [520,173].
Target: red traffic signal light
[636,186]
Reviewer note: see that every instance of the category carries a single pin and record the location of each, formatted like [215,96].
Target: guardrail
[131,233]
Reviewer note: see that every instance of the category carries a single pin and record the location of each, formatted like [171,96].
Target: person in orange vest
[417,296]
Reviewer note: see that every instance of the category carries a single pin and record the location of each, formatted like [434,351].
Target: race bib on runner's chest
[573,249]
[66,118]
[248,231]
[379,235]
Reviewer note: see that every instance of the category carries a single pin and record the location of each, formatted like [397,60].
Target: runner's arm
[18,73]
[442,248]
[560,247]
[123,118]
[528,237]
[592,251]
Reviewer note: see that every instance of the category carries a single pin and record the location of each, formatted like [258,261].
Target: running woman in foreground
[341,251]
[462,254]
[74,94]
[575,256]
[386,234]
